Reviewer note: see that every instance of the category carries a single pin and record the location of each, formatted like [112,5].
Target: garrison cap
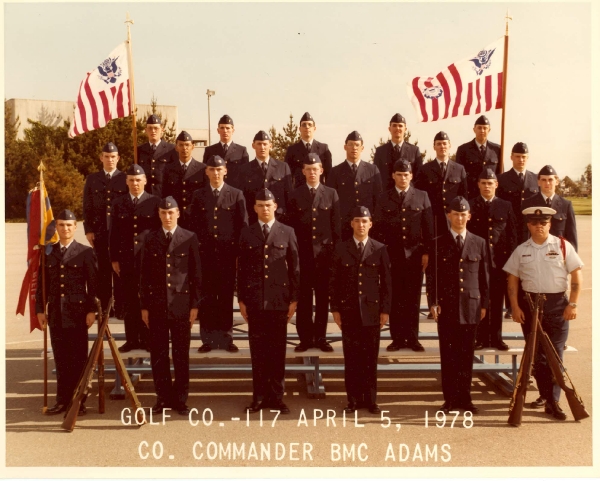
[312,159]
[184,136]
[441,136]
[355,136]
[65,215]
[538,213]
[402,165]
[110,147]
[398,119]
[520,148]
[360,211]
[482,120]
[261,135]
[547,170]
[488,174]
[215,161]
[226,119]
[135,169]
[153,119]
[459,204]
[264,194]
[168,203]
[307,118]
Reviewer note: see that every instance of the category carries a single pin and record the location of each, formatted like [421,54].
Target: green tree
[588,177]
[282,141]
[568,187]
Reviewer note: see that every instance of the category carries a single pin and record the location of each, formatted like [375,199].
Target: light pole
[209,94]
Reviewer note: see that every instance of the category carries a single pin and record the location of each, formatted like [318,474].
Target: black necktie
[153,147]
[459,242]
[482,150]
[548,201]
[313,192]
[169,237]
[354,169]
[401,194]
[108,177]
[264,167]
[183,168]
[397,151]
[63,249]
[135,201]
[266,230]
[224,148]
[443,165]
[521,178]
[308,147]
[216,193]
[360,250]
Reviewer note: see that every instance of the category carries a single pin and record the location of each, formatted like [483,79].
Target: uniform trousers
[216,307]
[554,324]
[361,350]
[171,392]
[314,277]
[407,282]
[136,331]
[70,350]
[489,330]
[267,334]
[107,277]
[457,343]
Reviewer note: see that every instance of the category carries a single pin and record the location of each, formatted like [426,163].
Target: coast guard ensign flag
[471,86]
[103,93]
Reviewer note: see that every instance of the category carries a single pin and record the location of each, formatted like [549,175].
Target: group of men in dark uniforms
[178,234]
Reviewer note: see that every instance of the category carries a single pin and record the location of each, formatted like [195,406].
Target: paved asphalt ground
[35,440]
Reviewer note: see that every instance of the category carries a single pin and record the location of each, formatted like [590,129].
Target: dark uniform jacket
[510,189]
[130,225]
[70,285]
[218,222]
[469,156]
[235,158]
[362,190]
[182,187]
[297,153]
[154,163]
[563,222]
[497,227]
[98,195]
[442,191]
[406,229]
[268,270]
[463,280]
[316,223]
[278,181]
[386,157]
[170,274]
[361,287]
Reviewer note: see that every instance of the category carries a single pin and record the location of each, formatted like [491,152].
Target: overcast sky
[347,64]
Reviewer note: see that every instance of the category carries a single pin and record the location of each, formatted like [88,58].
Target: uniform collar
[351,164]
[212,189]
[109,173]
[455,234]
[311,187]
[171,231]
[270,223]
[405,191]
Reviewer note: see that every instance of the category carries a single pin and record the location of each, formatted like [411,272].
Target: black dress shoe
[395,346]
[120,314]
[183,410]
[57,409]
[350,408]
[232,347]
[323,345]
[255,406]
[374,409]
[205,348]
[280,406]
[552,407]
[417,347]
[538,403]
[446,407]
[128,346]
[470,407]
[501,346]
[159,407]
[302,347]
[479,345]
[82,410]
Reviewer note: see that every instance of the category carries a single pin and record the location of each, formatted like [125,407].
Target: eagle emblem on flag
[482,61]
[109,70]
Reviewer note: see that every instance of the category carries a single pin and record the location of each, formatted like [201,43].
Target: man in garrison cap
[154,155]
[100,190]
[541,265]
[268,276]
[404,222]
[314,213]
[265,172]
[458,292]
[169,298]
[563,222]
[234,155]
[133,216]
[356,182]
[442,179]
[71,275]
[493,220]
[518,184]
[397,148]
[361,295]
[217,217]
[478,154]
[183,177]
[297,153]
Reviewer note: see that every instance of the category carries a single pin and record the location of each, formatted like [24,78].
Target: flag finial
[507,18]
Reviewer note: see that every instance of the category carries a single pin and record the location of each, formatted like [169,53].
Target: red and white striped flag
[103,93]
[471,86]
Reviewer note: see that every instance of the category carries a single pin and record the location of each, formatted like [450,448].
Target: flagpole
[132,106]
[41,168]
[504,83]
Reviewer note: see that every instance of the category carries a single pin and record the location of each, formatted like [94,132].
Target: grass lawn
[581,205]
